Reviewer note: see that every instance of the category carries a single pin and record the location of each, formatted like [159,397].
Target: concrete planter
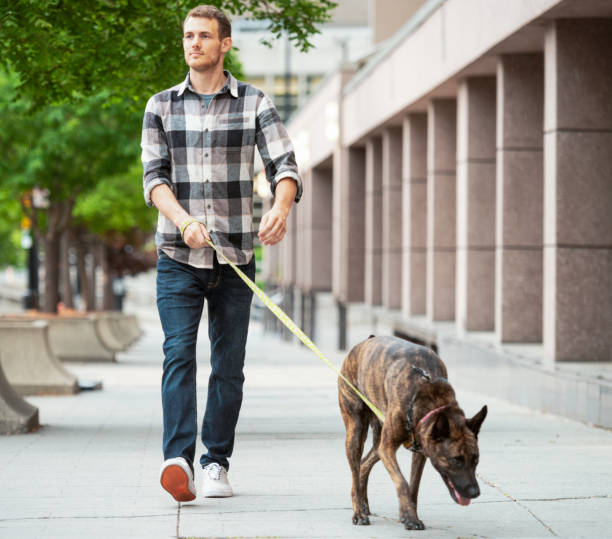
[28,362]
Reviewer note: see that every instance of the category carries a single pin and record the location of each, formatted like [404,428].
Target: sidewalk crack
[510,497]
[178,520]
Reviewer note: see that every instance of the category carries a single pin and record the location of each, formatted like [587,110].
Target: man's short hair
[212,12]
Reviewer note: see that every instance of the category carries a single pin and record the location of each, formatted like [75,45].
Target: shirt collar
[231,85]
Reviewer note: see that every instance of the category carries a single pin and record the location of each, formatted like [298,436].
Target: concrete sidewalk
[92,469]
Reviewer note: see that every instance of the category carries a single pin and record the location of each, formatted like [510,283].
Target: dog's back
[404,363]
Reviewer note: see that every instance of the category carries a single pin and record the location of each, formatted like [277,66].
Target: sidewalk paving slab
[92,469]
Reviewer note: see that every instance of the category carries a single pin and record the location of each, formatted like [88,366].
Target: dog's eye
[457,461]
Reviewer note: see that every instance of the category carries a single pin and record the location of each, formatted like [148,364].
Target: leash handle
[293,327]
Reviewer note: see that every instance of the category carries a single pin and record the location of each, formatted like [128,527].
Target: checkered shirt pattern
[206,156]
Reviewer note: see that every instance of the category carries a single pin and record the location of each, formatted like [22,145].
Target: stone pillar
[519,207]
[288,252]
[392,218]
[318,260]
[578,190]
[414,215]
[475,280]
[303,233]
[441,208]
[373,222]
[349,224]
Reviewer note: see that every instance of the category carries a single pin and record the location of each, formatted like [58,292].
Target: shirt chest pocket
[236,120]
[235,129]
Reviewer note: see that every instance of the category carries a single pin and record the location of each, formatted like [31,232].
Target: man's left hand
[273,226]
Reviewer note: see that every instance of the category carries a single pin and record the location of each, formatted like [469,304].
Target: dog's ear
[441,429]
[475,422]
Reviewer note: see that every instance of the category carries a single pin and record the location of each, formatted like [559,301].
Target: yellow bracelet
[186,223]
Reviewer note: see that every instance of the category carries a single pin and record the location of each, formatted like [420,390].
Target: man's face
[201,43]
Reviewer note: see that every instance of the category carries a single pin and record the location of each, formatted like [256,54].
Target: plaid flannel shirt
[206,156]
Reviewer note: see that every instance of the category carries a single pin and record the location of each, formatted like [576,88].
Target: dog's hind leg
[355,421]
[368,462]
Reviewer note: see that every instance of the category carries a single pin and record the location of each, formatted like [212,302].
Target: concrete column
[441,208]
[267,267]
[475,280]
[349,224]
[578,190]
[303,233]
[519,222]
[414,215]
[288,252]
[373,222]
[392,218]
[319,265]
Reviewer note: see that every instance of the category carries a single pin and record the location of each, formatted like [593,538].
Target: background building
[458,192]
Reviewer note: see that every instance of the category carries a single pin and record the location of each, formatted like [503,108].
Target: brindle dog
[408,384]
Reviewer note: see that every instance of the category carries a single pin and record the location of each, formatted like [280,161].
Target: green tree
[65,149]
[129,48]
[72,103]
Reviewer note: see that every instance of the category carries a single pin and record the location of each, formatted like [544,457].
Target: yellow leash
[292,326]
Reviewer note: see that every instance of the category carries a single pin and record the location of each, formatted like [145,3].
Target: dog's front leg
[416,471]
[387,450]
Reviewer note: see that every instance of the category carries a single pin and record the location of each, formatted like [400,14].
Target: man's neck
[207,82]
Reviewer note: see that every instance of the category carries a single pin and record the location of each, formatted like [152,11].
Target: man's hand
[273,226]
[195,235]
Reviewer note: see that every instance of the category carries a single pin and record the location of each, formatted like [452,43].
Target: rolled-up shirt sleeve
[155,152]
[275,147]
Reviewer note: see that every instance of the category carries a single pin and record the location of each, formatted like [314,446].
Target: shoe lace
[214,471]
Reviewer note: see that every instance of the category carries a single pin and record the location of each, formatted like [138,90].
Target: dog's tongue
[460,499]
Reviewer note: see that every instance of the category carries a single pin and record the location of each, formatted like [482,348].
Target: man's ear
[441,430]
[475,422]
[226,44]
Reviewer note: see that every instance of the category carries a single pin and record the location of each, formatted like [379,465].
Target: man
[198,143]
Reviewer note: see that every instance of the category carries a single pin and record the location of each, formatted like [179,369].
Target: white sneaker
[215,483]
[176,477]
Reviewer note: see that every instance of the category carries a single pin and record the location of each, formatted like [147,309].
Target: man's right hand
[195,235]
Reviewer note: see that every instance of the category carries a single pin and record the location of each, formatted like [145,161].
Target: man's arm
[156,174]
[273,225]
[278,158]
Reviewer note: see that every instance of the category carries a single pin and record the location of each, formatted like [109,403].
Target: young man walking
[198,144]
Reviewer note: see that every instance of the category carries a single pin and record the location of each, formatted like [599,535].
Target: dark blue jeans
[181,291]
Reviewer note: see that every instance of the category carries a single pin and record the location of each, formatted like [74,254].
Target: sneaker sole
[176,482]
[218,494]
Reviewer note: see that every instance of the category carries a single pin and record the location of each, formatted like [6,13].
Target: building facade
[458,192]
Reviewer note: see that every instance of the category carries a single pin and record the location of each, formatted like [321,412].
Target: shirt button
[205,155]
[206,130]
[209,206]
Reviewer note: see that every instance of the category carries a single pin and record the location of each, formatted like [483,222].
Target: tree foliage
[128,48]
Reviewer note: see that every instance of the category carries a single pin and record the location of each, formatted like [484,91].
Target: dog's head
[451,443]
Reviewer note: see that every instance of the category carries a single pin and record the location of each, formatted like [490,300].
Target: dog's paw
[360,519]
[413,524]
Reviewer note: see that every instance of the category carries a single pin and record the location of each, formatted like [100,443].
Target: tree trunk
[52,256]
[58,217]
[86,276]
[107,281]
[67,294]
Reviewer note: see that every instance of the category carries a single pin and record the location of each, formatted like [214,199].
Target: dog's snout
[473,491]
